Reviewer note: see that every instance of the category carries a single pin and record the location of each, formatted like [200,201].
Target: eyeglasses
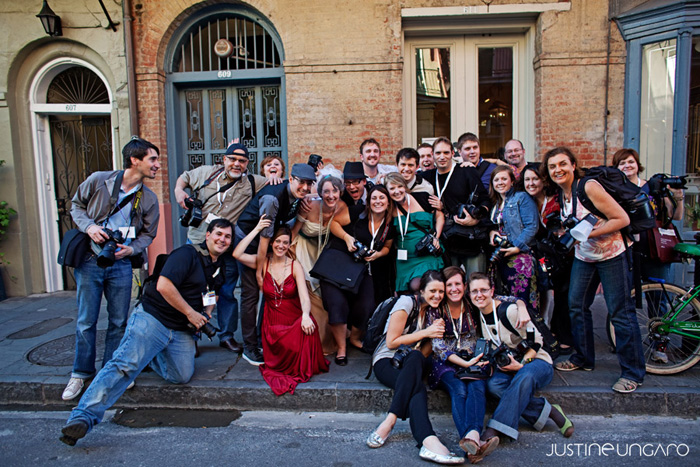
[514,151]
[476,292]
[353,182]
[304,182]
[239,160]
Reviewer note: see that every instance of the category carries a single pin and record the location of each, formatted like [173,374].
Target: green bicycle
[669,321]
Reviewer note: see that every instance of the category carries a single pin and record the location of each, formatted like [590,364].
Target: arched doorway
[71,106]
[213,97]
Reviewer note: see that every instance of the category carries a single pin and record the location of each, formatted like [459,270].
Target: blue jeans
[515,391]
[468,402]
[227,306]
[617,287]
[171,354]
[92,282]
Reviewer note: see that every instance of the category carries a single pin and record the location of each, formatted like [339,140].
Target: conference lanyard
[492,336]
[437,183]
[403,231]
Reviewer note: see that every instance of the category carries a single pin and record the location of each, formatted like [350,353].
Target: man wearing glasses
[515,156]
[280,203]
[225,191]
[355,184]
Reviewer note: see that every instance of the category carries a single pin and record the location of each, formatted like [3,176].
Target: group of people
[416,230]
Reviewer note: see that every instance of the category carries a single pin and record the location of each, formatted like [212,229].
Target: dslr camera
[208,329]
[425,247]
[476,212]
[660,183]
[400,355]
[501,243]
[193,216]
[106,257]
[362,251]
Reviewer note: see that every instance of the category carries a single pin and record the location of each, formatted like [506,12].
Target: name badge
[402,255]
[209,298]
[211,218]
[128,232]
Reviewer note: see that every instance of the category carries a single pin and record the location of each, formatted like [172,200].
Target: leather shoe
[231,345]
[73,431]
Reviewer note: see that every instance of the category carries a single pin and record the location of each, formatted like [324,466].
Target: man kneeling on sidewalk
[160,331]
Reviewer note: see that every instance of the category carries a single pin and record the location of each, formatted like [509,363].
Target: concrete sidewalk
[36,355]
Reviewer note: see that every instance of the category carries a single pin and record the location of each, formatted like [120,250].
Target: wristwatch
[526,361]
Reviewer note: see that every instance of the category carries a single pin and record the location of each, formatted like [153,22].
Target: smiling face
[454,288]
[443,156]
[218,240]
[397,192]
[355,188]
[470,151]
[515,154]
[427,161]
[502,183]
[273,169]
[300,188]
[407,168]
[280,245]
[561,170]
[481,293]
[533,183]
[629,167]
[433,293]
[370,155]
[330,194]
[235,164]
[148,166]
[378,202]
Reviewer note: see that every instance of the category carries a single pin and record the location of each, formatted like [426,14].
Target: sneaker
[73,431]
[659,357]
[253,356]
[625,385]
[131,385]
[73,388]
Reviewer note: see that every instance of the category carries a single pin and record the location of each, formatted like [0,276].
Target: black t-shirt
[464,182]
[184,269]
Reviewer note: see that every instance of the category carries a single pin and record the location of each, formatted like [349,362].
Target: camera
[208,329]
[660,183]
[501,243]
[425,247]
[400,355]
[193,216]
[314,161]
[476,212]
[500,356]
[106,257]
[362,251]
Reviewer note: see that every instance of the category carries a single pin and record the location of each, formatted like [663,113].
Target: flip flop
[568,428]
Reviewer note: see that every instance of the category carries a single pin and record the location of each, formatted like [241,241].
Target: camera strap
[403,211]
[210,280]
[127,199]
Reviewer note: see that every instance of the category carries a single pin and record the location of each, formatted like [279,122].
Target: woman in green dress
[413,219]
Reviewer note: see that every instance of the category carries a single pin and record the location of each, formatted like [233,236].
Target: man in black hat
[355,184]
[280,203]
[222,192]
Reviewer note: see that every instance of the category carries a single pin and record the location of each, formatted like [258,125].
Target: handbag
[661,243]
[74,247]
[338,268]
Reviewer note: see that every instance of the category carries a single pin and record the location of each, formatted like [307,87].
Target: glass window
[658,89]
[432,92]
[495,98]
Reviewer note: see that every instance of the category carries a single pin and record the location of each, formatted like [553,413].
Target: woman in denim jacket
[515,214]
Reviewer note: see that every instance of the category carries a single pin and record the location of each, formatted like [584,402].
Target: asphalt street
[333,439]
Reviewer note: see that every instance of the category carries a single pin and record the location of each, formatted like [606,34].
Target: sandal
[625,385]
[568,365]
[468,445]
[484,450]
[568,428]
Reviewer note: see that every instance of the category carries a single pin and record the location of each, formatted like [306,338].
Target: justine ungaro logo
[618,450]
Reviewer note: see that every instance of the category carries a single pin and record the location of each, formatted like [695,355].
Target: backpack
[549,343]
[377,323]
[629,196]
[152,280]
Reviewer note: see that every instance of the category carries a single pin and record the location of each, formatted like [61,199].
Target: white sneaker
[73,388]
[131,385]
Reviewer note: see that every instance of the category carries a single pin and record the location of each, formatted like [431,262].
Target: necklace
[278,294]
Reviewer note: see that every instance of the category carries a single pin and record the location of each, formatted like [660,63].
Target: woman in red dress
[291,345]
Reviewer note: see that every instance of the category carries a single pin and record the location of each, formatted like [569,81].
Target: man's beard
[233,175]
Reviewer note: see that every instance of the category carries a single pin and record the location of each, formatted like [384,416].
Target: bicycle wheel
[682,352]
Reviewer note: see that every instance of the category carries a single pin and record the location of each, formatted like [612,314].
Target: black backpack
[377,323]
[549,342]
[628,195]
[152,280]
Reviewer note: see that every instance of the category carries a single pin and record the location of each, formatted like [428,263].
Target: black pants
[410,396]
[344,307]
[249,306]
[561,321]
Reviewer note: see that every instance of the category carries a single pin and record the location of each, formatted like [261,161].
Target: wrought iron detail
[195,139]
[253,162]
[196,160]
[271,104]
[218,118]
[218,159]
[77,85]
[246,117]
[253,46]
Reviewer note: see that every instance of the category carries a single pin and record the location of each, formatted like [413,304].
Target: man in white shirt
[370,152]
[407,160]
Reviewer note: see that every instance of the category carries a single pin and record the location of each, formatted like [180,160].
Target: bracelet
[526,361]
[679,199]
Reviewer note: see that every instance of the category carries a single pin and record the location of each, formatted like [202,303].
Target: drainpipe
[130,71]
[607,103]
